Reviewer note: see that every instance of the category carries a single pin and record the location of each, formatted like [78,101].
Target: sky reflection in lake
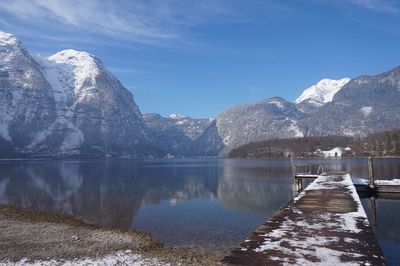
[211,204]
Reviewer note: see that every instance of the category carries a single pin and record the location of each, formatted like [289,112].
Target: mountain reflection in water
[211,204]
[225,195]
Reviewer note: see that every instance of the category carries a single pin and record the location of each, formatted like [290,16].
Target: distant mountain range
[360,106]
[69,104]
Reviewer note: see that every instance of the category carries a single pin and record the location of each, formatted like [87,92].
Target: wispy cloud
[376,5]
[141,21]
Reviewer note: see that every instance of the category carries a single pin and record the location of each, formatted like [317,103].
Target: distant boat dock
[324,224]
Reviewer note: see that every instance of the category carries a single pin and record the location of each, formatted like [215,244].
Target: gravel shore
[55,239]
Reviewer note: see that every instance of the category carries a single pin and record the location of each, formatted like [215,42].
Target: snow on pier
[324,225]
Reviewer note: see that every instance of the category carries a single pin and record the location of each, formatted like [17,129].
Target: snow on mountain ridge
[322,92]
[73,57]
[25,95]
[66,104]
[84,67]
[270,118]
[7,39]
[177,116]
[62,80]
[72,76]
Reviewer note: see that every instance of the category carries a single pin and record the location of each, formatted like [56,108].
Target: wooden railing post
[293,166]
[371,177]
[373,210]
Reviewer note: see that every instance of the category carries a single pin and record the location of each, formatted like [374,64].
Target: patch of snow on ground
[293,243]
[351,218]
[119,258]
[393,182]
[311,246]
[299,196]
[322,182]
[366,110]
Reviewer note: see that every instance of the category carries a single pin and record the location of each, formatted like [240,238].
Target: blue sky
[198,58]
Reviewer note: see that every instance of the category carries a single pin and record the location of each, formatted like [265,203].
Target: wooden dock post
[371,177]
[373,210]
[299,184]
[292,164]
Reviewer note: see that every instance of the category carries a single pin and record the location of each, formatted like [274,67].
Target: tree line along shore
[386,143]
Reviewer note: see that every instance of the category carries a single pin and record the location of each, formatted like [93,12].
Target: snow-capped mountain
[322,92]
[271,118]
[367,104]
[360,106]
[27,105]
[69,104]
[66,104]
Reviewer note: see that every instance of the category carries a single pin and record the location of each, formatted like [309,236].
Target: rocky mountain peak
[65,104]
[75,58]
[393,76]
[277,102]
[8,39]
[11,49]
[79,70]
[177,116]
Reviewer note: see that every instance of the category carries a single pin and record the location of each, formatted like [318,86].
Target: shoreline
[183,158]
[28,236]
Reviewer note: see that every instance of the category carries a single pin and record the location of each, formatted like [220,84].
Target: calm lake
[210,204]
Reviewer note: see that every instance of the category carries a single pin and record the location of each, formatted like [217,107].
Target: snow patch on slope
[85,68]
[294,127]
[322,92]
[277,104]
[4,132]
[177,116]
[62,79]
[10,47]
[72,141]
[366,110]
[7,39]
